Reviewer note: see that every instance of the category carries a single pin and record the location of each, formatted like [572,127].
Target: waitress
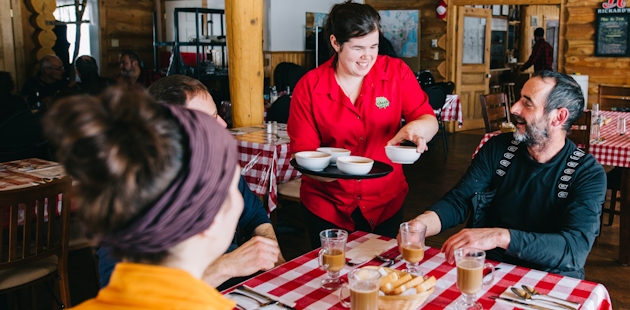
[355,101]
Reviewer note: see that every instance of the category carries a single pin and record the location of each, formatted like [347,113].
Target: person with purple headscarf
[150,185]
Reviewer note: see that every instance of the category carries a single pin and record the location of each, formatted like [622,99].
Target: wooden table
[265,161]
[298,282]
[614,150]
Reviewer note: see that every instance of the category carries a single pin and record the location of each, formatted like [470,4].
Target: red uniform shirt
[322,115]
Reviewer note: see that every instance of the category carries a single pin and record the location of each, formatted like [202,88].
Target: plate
[379,169]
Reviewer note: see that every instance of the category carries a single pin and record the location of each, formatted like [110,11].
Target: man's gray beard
[534,135]
[126,72]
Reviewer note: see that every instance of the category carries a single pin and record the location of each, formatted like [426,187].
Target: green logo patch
[382,102]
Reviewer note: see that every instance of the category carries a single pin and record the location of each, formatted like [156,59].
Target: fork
[260,303]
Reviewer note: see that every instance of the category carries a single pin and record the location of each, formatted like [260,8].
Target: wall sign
[611,31]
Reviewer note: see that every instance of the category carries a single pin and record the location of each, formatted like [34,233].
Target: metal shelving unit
[196,40]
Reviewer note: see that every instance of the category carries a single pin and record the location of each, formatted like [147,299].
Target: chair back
[21,136]
[494,108]
[437,96]
[616,98]
[581,131]
[27,235]
[449,87]
[287,74]
[279,110]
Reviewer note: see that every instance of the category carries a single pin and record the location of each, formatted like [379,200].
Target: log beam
[245,60]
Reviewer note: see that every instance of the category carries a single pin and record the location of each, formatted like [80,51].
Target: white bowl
[311,160]
[334,152]
[356,165]
[402,154]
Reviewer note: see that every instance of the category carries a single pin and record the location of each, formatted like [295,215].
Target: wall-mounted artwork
[401,28]
[314,21]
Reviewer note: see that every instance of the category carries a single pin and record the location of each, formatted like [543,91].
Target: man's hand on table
[480,238]
[257,254]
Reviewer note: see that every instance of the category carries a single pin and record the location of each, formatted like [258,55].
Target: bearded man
[532,198]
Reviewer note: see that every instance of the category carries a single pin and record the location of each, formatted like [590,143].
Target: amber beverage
[364,299]
[335,259]
[363,286]
[412,253]
[469,276]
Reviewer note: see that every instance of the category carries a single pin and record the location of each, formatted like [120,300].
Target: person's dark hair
[176,89]
[6,83]
[123,150]
[86,65]
[567,93]
[132,56]
[350,20]
[539,32]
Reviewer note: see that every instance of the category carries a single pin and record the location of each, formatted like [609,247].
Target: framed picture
[496,10]
[534,21]
[505,10]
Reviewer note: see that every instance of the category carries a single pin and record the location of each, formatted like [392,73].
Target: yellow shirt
[141,286]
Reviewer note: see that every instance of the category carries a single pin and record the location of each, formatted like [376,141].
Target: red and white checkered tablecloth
[452,110]
[299,281]
[613,150]
[265,162]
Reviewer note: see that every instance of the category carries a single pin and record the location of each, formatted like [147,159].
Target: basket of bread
[401,290]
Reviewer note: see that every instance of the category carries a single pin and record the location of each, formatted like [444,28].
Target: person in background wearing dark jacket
[9,102]
[542,53]
[261,251]
[91,82]
[42,88]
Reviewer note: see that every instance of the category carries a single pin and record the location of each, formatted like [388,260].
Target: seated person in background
[132,72]
[261,252]
[533,197]
[91,82]
[9,102]
[43,87]
[151,186]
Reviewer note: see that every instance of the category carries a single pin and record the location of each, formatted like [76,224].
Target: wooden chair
[581,131]
[616,98]
[35,249]
[494,108]
[437,99]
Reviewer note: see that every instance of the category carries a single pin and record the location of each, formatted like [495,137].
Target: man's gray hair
[45,61]
[567,93]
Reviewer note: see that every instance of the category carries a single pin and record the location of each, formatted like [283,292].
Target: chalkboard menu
[611,36]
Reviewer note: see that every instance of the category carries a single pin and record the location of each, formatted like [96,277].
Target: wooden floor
[429,179]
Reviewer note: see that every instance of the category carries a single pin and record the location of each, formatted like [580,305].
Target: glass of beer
[470,266]
[332,256]
[412,243]
[363,285]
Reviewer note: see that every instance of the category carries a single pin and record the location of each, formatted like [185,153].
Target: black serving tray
[379,169]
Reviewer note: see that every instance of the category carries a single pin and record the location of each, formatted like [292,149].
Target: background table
[299,281]
[614,150]
[265,162]
[452,110]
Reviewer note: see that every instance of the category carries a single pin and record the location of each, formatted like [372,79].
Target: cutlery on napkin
[368,250]
[534,304]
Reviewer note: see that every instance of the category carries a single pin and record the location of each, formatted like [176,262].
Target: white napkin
[367,250]
[540,303]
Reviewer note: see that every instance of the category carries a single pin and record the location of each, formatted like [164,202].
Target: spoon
[385,259]
[526,296]
[532,291]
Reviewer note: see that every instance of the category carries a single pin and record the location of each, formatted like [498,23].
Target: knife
[519,303]
[265,297]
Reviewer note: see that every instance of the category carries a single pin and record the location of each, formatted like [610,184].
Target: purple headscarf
[188,206]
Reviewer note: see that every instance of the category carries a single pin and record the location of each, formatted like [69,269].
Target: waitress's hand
[419,131]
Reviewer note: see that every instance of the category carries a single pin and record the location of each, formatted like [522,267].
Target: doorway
[551,31]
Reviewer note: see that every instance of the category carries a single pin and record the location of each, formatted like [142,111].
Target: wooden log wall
[580,49]
[431,28]
[272,59]
[130,22]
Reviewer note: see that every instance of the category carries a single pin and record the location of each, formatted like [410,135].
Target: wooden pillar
[245,60]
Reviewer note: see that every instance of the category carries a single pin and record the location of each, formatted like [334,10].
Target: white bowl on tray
[356,165]
[401,154]
[334,152]
[313,160]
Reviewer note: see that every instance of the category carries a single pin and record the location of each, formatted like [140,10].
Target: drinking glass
[621,126]
[332,256]
[412,242]
[470,266]
[363,286]
[595,110]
